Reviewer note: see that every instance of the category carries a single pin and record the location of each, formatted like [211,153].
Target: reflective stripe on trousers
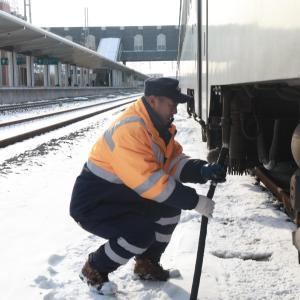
[168,221]
[124,245]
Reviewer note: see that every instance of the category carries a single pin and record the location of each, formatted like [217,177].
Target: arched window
[90,42]
[161,42]
[138,42]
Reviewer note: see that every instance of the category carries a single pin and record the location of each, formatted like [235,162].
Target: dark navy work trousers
[133,226]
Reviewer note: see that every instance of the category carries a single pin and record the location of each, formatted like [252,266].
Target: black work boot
[97,281]
[148,270]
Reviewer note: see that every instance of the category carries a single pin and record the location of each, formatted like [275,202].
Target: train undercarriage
[260,125]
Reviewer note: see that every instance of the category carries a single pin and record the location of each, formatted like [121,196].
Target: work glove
[214,172]
[205,206]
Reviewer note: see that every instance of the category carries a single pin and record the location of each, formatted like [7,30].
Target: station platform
[21,94]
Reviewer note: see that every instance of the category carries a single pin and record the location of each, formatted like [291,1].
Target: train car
[241,62]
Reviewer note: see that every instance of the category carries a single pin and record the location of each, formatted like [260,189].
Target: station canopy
[24,38]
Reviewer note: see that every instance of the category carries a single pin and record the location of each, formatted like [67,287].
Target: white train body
[241,61]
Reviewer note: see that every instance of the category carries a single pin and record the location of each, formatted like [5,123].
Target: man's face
[164,107]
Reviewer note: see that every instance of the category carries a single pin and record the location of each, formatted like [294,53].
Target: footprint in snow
[45,283]
[50,296]
[55,259]
[52,271]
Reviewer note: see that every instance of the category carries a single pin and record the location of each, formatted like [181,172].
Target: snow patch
[242,255]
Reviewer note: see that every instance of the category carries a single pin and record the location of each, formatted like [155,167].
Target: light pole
[27,6]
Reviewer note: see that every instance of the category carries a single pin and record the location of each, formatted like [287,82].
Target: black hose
[244,131]
[203,231]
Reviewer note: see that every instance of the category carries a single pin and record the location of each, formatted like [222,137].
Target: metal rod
[203,231]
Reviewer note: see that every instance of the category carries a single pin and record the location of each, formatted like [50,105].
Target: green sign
[52,61]
[4,61]
[46,61]
[40,61]
[21,60]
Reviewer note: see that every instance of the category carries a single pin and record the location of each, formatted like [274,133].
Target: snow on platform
[249,253]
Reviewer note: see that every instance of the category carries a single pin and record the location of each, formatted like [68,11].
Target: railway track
[10,107]
[285,198]
[44,103]
[4,142]
[19,121]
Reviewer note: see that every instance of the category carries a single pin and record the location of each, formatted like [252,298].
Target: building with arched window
[69,37]
[138,42]
[161,42]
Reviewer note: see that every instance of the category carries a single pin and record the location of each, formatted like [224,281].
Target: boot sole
[149,277]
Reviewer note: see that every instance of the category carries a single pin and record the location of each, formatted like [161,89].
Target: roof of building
[24,38]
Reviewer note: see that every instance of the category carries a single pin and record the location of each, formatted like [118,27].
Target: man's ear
[152,100]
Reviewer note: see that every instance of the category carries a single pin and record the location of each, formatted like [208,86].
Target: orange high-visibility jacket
[131,152]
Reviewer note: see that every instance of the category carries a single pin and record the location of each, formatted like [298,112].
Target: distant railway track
[9,107]
[43,129]
[23,120]
[44,103]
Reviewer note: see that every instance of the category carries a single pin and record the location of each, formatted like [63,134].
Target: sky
[46,13]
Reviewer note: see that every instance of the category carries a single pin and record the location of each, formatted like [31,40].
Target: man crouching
[130,190]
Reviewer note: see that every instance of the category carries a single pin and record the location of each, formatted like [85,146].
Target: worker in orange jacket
[130,190]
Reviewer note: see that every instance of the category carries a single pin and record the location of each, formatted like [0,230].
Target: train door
[203,58]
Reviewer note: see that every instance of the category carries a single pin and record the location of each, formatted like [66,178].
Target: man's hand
[214,172]
[205,206]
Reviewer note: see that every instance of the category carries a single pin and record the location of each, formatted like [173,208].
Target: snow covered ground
[249,253]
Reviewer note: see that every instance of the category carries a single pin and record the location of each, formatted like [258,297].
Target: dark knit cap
[167,87]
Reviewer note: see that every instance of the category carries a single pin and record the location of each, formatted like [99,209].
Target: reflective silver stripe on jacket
[108,134]
[129,247]
[114,256]
[108,138]
[168,221]
[168,190]
[180,160]
[179,168]
[162,238]
[157,153]
[100,172]
[175,160]
[150,182]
